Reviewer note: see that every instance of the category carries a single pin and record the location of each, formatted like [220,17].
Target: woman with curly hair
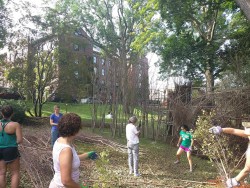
[66,161]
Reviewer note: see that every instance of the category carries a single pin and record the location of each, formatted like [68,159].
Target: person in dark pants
[54,119]
[10,137]
[132,135]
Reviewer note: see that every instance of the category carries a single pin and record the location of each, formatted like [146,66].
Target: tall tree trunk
[124,88]
[209,80]
[30,75]
[209,84]
[245,7]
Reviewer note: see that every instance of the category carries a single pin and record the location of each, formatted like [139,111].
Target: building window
[77,33]
[94,59]
[76,74]
[140,85]
[103,62]
[76,47]
[103,72]
[139,75]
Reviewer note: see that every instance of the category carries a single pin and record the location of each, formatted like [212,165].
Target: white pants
[133,157]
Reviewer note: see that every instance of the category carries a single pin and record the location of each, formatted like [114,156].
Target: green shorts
[9,154]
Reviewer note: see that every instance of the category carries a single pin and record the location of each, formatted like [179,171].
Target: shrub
[19,108]
[223,153]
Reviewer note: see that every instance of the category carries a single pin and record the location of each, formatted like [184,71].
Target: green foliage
[19,108]
[197,34]
[105,176]
[216,147]
[236,54]
[4,23]
[16,77]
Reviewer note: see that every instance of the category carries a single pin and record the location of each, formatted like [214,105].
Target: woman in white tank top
[66,161]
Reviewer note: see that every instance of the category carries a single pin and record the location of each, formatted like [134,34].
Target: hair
[7,111]
[69,125]
[132,119]
[56,106]
[185,127]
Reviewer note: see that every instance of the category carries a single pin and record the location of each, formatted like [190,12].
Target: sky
[154,77]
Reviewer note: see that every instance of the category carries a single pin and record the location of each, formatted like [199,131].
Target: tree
[43,60]
[5,22]
[245,7]
[74,65]
[195,36]
[112,29]
[236,54]
[110,25]
[37,54]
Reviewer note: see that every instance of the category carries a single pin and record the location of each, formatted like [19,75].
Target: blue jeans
[133,157]
[54,136]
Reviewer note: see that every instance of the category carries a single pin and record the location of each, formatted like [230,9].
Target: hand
[216,130]
[190,148]
[92,155]
[178,145]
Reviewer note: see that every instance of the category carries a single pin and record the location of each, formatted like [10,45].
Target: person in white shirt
[66,161]
[132,135]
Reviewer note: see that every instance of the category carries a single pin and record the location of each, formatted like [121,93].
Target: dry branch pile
[37,163]
[36,154]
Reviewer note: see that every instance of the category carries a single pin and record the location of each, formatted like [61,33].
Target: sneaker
[137,175]
[131,172]
[190,170]
[232,182]
[176,162]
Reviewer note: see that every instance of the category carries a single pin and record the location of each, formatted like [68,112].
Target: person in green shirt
[185,144]
[10,138]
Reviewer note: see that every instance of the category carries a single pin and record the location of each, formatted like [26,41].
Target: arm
[237,132]
[52,122]
[89,155]
[65,159]
[83,156]
[192,142]
[135,131]
[179,141]
[19,135]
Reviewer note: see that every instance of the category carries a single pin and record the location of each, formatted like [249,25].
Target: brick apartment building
[83,72]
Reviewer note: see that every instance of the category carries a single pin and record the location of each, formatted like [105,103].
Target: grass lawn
[83,110]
